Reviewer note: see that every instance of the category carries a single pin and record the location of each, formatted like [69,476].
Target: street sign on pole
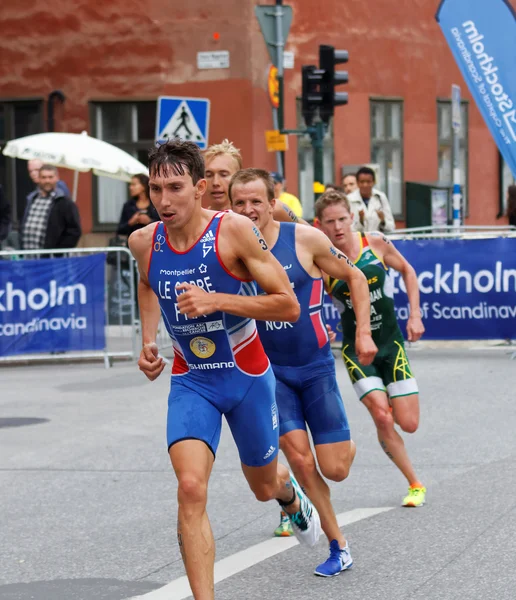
[276,141]
[288,60]
[185,118]
[266,15]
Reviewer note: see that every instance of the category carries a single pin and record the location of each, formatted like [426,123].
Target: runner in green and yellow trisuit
[386,387]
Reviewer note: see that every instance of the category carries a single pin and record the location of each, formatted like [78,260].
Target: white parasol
[78,152]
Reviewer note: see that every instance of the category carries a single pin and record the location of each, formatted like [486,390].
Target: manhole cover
[20,421]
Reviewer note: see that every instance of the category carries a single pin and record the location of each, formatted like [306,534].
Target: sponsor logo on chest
[202,347]
[167,288]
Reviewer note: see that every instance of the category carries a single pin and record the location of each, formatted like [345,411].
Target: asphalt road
[88,499]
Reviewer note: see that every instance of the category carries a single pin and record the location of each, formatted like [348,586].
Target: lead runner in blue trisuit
[197,270]
[307,392]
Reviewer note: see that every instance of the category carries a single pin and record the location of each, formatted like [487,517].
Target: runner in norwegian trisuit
[197,270]
[307,392]
[222,162]
[386,387]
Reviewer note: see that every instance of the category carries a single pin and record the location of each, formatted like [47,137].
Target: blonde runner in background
[222,162]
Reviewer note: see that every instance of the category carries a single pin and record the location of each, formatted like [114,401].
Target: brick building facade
[112,60]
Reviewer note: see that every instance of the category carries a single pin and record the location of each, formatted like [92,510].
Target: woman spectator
[138,211]
[511,204]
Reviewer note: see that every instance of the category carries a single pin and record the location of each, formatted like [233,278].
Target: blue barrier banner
[467,289]
[52,305]
[481,36]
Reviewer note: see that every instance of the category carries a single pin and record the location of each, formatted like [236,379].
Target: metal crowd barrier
[122,326]
[449,231]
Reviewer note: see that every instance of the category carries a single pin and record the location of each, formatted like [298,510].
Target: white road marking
[179,589]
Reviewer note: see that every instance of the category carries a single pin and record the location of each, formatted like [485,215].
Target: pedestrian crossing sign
[185,118]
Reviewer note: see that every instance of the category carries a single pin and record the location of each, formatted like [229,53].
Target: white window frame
[390,180]
[109,195]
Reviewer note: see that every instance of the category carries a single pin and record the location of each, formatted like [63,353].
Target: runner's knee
[192,492]
[338,470]
[383,418]
[335,460]
[265,491]
[408,423]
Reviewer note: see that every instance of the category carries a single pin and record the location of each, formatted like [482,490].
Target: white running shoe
[306,523]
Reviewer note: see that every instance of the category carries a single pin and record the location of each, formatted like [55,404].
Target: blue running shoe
[339,560]
[306,523]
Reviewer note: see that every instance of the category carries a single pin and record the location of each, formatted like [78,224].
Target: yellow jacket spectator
[289,199]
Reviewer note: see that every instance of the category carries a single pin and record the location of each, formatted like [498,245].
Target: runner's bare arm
[395,260]
[279,303]
[283,213]
[140,243]
[335,263]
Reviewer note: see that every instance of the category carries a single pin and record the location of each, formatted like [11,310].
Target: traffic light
[328,58]
[311,97]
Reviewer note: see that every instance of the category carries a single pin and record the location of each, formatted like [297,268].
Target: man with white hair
[33,167]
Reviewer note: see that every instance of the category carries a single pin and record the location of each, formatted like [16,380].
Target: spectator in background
[511,204]
[5,217]
[349,183]
[34,166]
[289,199]
[139,210]
[334,186]
[51,218]
[370,207]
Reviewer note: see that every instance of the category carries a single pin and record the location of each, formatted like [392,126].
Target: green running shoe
[284,529]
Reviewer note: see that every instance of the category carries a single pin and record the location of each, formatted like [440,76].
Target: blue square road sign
[185,118]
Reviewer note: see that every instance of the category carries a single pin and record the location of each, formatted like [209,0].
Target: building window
[445,147]
[131,127]
[18,119]
[387,150]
